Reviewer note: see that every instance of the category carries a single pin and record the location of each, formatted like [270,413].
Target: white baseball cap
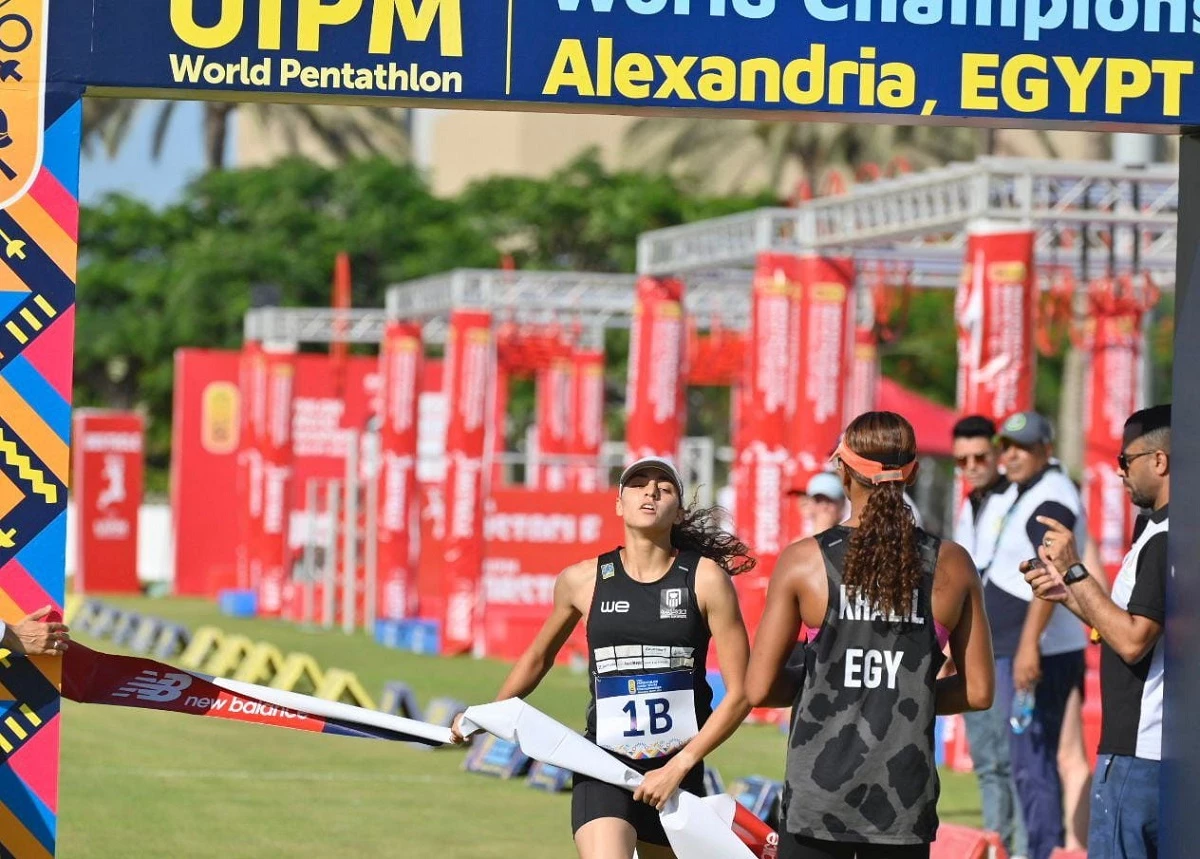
[661,464]
[826,484]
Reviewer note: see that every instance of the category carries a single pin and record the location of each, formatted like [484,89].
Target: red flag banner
[108,492]
[657,372]
[995,312]
[400,362]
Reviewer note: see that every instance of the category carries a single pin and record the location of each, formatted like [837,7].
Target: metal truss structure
[590,301]
[1092,216]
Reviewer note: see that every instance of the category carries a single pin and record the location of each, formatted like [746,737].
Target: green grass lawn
[138,783]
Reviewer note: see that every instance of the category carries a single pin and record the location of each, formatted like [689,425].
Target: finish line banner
[92,677]
[1126,62]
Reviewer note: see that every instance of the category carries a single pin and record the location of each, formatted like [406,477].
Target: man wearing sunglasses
[1125,798]
[1039,647]
[977,460]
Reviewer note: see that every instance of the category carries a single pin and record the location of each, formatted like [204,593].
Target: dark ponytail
[700,531]
[883,565]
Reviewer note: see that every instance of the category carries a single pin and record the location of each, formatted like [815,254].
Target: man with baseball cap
[1039,647]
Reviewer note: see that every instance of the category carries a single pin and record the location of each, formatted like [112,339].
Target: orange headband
[874,471]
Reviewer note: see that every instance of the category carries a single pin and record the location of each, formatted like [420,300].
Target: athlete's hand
[456,735]
[660,785]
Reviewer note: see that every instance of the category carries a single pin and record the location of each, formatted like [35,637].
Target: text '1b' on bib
[645,715]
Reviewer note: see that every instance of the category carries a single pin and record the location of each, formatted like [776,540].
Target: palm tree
[748,155]
[338,132]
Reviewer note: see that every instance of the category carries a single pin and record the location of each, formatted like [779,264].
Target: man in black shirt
[1125,799]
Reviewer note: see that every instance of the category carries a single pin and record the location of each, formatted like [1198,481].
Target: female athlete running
[880,598]
[651,607]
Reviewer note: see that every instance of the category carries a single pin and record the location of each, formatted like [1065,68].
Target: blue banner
[1008,62]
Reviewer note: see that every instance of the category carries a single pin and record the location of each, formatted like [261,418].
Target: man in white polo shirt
[1125,793]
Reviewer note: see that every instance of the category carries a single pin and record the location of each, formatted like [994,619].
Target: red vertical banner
[249,465]
[500,425]
[400,365]
[1112,393]
[995,310]
[766,410]
[654,397]
[587,416]
[823,313]
[276,446]
[555,400]
[108,478]
[863,393]
[470,374]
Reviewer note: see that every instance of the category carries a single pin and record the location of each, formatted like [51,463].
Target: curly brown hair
[700,531]
[883,565]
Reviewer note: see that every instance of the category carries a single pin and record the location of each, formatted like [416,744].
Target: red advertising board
[108,474]
[530,537]
[204,459]
[275,443]
[862,394]
[825,320]
[995,309]
[1112,393]
[400,361]
[767,405]
[587,415]
[655,386]
[470,375]
[555,402]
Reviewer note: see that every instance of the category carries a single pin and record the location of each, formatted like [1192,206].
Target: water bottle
[1022,711]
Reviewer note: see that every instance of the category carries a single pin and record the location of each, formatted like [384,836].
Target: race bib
[647,715]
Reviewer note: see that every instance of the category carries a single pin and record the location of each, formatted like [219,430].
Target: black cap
[1146,421]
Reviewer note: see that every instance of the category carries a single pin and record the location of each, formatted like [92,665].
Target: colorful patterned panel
[39,223]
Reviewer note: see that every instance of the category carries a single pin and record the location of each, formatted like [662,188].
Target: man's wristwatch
[1075,573]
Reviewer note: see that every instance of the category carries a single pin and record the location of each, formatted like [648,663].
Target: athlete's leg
[605,838]
[1075,773]
[646,850]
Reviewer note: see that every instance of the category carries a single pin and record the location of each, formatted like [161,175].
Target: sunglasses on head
[971,459]
[1123,459]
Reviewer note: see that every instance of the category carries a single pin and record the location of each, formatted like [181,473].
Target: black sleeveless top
[647,653]
[860,764]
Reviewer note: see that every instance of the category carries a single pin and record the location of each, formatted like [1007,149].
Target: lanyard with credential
[983,574]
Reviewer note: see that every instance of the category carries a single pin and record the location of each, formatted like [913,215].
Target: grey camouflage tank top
[860,765]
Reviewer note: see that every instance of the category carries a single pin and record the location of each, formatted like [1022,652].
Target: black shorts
[592,799]
[796,847]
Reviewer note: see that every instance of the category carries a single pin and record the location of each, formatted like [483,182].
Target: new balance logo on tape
[150,686]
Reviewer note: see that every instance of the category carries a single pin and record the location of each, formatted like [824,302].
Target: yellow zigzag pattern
[26,470]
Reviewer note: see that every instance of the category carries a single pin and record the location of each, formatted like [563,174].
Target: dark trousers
[1034,753]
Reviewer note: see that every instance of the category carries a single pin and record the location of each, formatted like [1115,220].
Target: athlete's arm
[958,585]
[768,682]
[719,603]
[539,656]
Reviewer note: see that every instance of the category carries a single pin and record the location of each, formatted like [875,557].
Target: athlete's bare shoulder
[578,574]
[575,584]
[954,562]
[800,562]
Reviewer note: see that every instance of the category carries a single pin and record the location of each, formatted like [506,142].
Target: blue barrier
[760,795]
[548,777]
[424,636]
[398,699]
[235,603]
[490,755]
[144,635]
[713,783]
[392,633]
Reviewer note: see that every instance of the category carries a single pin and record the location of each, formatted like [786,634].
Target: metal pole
[350,542]
[1180,783]
[309,561]
[371,548]
[329,597]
